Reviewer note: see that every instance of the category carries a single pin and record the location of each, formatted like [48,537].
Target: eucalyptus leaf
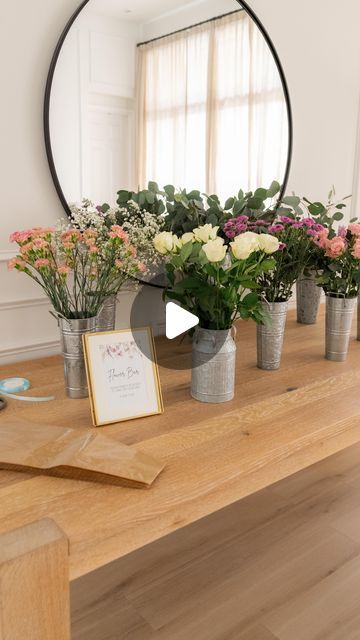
[274,189]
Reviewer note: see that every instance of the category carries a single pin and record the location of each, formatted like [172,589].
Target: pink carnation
[16,262]
[356,249]
[20,236]
[40,263]
[26,247]
[335,248]
[40,243]
[118,232]
[64,269]
[93,249]
[142,267]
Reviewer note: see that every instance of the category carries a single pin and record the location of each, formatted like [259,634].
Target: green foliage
[149,199]
[216,293]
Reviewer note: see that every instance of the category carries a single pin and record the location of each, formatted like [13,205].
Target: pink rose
[354,229]
[356,249]
[335,248]
[321,239]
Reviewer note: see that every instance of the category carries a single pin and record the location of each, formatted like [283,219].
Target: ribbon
[10,387]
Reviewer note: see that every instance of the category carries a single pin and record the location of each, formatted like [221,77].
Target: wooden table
[280,422]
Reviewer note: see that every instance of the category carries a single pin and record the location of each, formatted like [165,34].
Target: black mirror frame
[50,77]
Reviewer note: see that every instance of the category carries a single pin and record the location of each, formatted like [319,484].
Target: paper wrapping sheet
[71,453]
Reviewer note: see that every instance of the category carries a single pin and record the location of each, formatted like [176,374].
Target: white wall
[320,50]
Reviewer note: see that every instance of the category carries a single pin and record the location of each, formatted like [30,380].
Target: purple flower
[262,223]
[230,234]
[342,231]
[286,220]
[282,246]
[241,227]
[307,222]
[276,228]
[318,228]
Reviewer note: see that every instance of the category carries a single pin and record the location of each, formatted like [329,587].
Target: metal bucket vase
[213,366]
[308,296]
[71,333]
[339,316]
[270,337]
[107,315]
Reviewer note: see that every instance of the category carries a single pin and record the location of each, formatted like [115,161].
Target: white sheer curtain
[211,112]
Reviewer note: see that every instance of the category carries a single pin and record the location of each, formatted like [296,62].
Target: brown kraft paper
[73,453]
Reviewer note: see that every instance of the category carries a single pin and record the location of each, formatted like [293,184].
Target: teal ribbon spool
[9,387]
[14,385]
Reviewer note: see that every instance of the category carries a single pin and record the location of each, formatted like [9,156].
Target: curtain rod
[198,24]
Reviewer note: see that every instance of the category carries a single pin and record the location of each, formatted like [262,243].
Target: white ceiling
[141,10]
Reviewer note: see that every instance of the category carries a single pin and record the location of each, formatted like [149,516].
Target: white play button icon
[178,320]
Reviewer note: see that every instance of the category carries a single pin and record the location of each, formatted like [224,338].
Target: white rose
[205,233]
[165,242]
[245,244]
[187,237]
[215,250]
[268,244]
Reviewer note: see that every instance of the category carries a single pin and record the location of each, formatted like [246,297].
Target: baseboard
[29,352]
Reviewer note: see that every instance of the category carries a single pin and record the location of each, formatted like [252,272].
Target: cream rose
[268,244]
[165,242]
[187,237]
[215,250]
[245,244]
[205,233]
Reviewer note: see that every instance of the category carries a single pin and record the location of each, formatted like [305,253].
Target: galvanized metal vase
[270,337]
[308,296]
[213,366]
[71,332]
[339,316]
[107,315]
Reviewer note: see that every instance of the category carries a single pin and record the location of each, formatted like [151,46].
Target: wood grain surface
[279,423]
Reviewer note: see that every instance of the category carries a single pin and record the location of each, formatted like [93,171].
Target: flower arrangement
[217,282]
[295,238]
[78,270]
[140,225]
[339,272]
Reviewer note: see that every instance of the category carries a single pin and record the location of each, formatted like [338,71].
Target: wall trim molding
[34,350]
[23,303]
[6,255]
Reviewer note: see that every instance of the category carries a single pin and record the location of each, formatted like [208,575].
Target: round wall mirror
[183,92]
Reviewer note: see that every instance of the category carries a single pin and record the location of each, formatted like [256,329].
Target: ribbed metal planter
[107,315]
[339,316]
[71,332]
[308,296]
[270,337]
[213,366]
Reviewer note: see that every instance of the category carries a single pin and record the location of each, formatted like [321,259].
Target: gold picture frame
[122,374]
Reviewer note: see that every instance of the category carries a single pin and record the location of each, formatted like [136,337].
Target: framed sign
[122,374]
